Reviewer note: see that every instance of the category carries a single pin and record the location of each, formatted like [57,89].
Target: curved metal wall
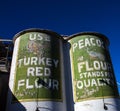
[37,76]
[93,79]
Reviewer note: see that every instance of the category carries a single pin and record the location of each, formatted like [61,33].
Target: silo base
[110,104]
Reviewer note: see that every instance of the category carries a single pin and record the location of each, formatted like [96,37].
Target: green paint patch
[38,68]
[92,70]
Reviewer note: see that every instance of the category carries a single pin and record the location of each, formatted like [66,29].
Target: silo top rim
[36,30]
[90,33]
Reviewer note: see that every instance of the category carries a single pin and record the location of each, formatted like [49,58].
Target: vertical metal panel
[6,48]
[4,76]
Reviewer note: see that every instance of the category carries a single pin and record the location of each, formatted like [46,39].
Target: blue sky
[65,17]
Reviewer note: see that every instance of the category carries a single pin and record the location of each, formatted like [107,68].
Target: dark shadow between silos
[4,91]
[68,78]
[16,105]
